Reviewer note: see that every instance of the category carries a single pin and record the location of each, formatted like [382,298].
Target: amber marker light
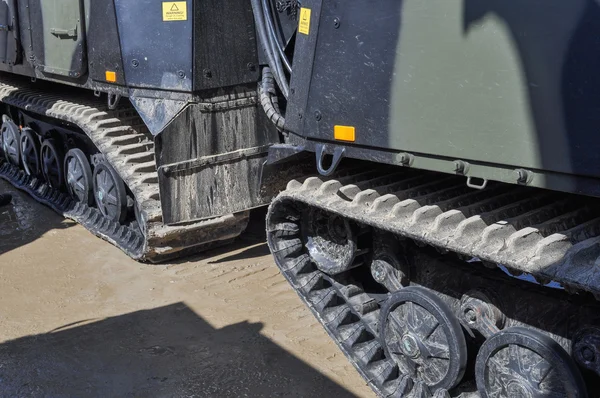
[344,133]
[111,77]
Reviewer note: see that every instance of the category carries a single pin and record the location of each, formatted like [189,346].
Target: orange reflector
[111,77]
[344,133]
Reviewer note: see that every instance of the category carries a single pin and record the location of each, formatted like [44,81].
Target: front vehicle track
[120,142]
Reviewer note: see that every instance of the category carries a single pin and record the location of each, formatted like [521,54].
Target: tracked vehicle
[138,119]
[449,242]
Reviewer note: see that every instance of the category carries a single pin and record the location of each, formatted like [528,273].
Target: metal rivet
[336,23]
[207,73]
[470,315]
[461,167]
[251,67]
[135,63]
[522,176]
[406,159]
[318,116]
[588,354]
[181,74]
[299,116]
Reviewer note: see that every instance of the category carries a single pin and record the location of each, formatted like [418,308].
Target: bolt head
[410,346]
[459,166]
[471,315]
[378,271]
[588,354]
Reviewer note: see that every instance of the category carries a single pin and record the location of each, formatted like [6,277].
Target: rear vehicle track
[451,239]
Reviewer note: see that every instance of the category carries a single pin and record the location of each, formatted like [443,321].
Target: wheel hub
[410,346]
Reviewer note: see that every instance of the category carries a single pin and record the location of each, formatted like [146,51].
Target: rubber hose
[278,45]
[260,27]
[277,67]
[266,102]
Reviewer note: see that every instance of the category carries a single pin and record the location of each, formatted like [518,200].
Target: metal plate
[9,32]
[156,53]
[58,37]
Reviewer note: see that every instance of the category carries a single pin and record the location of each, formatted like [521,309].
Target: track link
[552,236]
[123,139]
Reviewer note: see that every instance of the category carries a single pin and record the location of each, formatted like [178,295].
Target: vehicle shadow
[250,244]
[168,351]
[24,220]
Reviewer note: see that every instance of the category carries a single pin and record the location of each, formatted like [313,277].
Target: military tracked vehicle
[450,241]
[141,120]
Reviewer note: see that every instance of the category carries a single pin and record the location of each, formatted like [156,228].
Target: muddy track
[552,236]
[123,139]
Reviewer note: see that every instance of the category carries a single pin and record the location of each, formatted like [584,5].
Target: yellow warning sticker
[174,11]
[304,23]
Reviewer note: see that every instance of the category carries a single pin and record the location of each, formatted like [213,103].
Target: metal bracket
[64,32]
[113,101]
[205,161]
[338,154]
[477,186]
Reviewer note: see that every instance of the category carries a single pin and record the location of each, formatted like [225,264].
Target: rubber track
[550,235]
[126,144]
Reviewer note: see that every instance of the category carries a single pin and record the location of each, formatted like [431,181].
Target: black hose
[268,99]
[260,28]
[277,67]
[274,36]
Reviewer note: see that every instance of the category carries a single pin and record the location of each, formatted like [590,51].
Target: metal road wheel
[52,163]
[524,363]
[420,332]
[10,141]
[109,192]
[78,176]
[330,240]
[29,146]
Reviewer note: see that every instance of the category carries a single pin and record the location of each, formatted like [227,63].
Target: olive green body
[498,90]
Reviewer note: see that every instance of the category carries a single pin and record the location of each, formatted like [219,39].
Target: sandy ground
[78,318]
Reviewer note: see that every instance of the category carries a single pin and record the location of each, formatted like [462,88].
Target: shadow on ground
[250,244]
[24,220]
[163,352]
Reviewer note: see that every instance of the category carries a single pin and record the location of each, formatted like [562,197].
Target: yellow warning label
[174,11]
[304,23]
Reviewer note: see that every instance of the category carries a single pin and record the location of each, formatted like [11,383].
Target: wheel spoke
[426,329]
[438,351]
[398,325]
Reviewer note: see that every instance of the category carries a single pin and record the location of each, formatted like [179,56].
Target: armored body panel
[176,85]
[443,241]
[501,86]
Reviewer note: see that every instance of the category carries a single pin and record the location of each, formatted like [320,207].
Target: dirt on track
[78,318]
